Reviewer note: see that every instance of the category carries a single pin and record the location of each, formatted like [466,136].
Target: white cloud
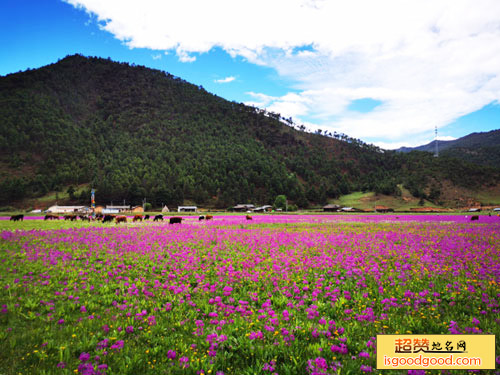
[225,80]
[184,56]
[446,138]
[428,62]
[156,57]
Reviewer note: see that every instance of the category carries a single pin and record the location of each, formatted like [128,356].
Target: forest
[132,133]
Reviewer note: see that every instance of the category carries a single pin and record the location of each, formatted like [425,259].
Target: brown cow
[121,219]
[209,217]
[137,218]
[249,217]
[51,217]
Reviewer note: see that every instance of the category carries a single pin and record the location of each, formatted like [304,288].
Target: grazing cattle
[84,218]
[475,217]
[175,220]
[146,217]
[201,218]
[121,219]
[17,217]
[137,218]
[51,217]
[70,217]
[249,217]
[158,218]
[107,218]
[99,216]
[209,217]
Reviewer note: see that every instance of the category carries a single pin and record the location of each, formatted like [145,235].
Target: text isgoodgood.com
[431,361]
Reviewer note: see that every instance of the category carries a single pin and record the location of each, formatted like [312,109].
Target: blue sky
[388,77]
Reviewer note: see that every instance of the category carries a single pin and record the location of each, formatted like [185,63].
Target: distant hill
[478,148]
[133,133]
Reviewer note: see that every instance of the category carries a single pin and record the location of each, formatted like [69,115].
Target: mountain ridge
[478,147]
[132,133]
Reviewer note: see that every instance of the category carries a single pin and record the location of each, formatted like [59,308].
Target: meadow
[299,294]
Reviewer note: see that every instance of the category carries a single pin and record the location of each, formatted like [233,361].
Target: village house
[66,209]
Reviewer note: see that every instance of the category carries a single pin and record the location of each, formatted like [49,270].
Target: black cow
[175,220]
[158,218]
[146,217]
[107,218]
[51,217]
[475,217]
[201,218]
[84,218]
[17,218]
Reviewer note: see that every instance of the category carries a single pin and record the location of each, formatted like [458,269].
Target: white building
[116,209]
[187,209]
[65,209]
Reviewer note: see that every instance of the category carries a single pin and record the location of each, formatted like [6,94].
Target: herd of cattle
[123,219]
[110,218]
[115,218]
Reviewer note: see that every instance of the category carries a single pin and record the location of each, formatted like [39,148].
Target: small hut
[383,209]
[331,208]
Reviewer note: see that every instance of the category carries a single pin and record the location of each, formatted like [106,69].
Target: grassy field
[369,200]
[286,294]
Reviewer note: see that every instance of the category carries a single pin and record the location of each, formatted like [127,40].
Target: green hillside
[133,132]
[478,148]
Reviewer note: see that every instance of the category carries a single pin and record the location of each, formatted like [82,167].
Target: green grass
[369,200]
[488,198]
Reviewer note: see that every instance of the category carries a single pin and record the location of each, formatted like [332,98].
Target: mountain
[479,148]
[132,133]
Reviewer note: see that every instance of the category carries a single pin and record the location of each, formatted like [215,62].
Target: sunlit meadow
[274,295]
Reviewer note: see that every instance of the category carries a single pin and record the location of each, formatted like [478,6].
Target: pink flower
[84,357]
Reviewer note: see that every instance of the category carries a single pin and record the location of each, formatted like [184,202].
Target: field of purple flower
[275,295]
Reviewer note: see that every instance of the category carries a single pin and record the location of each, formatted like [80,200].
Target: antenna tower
[436,150]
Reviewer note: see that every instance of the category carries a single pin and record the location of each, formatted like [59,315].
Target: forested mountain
[480,148]
[133,132]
